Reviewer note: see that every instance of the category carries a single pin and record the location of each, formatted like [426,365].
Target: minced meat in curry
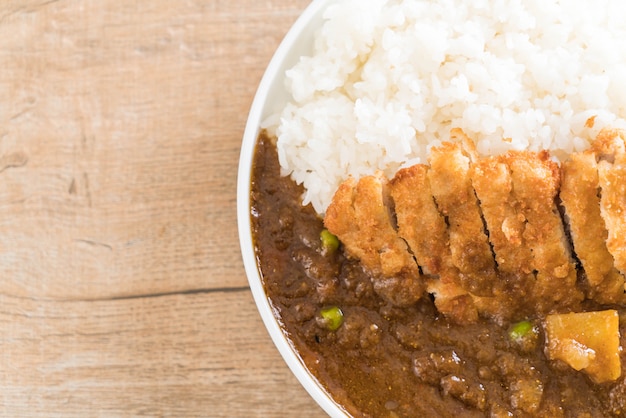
[378,359]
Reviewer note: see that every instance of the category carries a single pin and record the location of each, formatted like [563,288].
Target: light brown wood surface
[122,289]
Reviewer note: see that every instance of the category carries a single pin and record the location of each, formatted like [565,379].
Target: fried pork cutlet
[453,192]
[536,181]
[419,222]
[581,203]
[610,148]
[492,181]
[360,217]
[487,233]
[612,180]
[501,212]
[424,229]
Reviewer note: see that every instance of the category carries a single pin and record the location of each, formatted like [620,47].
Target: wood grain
[123,291]
[178,355]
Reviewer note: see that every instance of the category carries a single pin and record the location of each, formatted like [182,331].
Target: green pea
[332,317]
[520,330]
[330,242]
[524,336]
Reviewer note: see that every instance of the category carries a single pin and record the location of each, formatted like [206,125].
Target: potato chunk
[587,341]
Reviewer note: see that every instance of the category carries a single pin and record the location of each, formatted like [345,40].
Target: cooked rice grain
[388,79]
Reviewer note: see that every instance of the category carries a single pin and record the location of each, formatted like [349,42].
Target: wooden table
[123,291]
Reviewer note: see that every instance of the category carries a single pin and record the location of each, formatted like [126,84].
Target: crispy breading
[360,217]
[487,233]
[612,180]
[424,229]
[419,222]
[454,302]
[609,143]
[536,181]
[581,202]
[452,188]
[505,224]
[493,184]
[610,151]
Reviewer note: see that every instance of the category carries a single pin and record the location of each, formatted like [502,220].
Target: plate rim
[282,59]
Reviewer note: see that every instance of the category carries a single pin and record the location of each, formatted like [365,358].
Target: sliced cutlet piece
[505,224]
[581,206]
[454,302]
[613,207]
[452,188]
[422,226]
[536,181]
[360,217]
[609,143]
[492,181]
[419,222]
[610,148]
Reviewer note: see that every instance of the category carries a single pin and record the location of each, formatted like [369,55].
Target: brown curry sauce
[385,361]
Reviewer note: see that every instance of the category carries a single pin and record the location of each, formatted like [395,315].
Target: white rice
[388,79]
